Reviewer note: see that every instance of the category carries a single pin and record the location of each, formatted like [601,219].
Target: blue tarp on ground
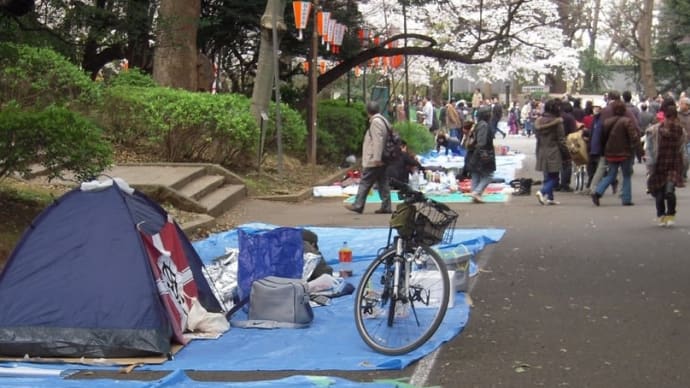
[332,342]
[178,379]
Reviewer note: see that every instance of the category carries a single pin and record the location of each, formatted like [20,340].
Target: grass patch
[20,203]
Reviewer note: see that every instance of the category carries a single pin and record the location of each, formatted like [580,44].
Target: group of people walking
[616,136]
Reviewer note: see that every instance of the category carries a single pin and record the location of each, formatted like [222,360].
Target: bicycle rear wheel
[397,324]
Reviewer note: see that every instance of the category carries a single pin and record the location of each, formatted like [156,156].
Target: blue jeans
[626,170]
[480,181]
[550,181]
[456,133]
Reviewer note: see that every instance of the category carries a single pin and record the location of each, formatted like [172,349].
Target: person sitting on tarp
[399,169]
[451,144]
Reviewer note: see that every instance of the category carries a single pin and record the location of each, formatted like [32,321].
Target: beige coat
[374,139]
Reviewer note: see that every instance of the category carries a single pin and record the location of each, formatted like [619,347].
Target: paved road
[572,296]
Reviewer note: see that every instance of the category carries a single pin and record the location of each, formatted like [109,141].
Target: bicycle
[403,295]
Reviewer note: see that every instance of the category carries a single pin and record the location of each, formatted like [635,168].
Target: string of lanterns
[332,34]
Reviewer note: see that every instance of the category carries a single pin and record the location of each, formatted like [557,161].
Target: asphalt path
[573,295]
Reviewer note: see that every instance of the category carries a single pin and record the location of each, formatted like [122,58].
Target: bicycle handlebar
[408,195]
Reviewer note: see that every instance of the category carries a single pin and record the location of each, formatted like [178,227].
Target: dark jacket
[607,113]
[400,168]
[481,157]
[550,143]
[496,112]
[621,138]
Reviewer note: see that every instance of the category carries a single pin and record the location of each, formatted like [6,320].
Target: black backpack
[391,148]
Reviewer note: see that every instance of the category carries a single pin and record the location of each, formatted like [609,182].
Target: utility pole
[313,88]
[407,92]
[276,86]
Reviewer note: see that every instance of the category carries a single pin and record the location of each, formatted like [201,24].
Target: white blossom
[534,46]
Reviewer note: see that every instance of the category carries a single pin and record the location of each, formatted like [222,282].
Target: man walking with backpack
[373,167]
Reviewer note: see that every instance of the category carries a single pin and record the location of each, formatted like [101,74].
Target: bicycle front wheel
[397,324]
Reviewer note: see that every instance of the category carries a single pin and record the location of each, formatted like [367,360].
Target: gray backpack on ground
[276,302]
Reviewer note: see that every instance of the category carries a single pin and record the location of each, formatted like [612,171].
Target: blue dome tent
[82,281]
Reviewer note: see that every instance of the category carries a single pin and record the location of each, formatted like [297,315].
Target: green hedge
[340,130]
[38,77]
[58,139]
[184,126]
[293,131]
[195,127]
[419,139]
[342,127]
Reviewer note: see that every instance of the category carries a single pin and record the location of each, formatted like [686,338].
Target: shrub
[417,136]
[340,130]
[39,77]
[195,127]
[132,77]
[184,126]
[293,131]
[56,138]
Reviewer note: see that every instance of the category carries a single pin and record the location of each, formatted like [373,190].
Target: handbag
[277,302]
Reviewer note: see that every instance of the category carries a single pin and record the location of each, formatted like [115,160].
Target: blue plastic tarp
[332,341]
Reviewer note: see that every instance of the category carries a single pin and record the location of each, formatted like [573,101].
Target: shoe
[476,198]
[383,211]
[661,221]
[540,198]
[352,208]
[670,220]
[552,202]
[628,204]
[595,198]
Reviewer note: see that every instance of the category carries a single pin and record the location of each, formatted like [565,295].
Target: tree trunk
[140,14]
[175,57]
[592,81]
[263,83]
[645,35]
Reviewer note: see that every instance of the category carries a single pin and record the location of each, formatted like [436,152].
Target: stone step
[220,200]
[202,186]
[199,222]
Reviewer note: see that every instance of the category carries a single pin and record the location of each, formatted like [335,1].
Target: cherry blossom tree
[501,39]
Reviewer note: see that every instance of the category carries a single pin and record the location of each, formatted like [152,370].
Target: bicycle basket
[434,223]
[402,220]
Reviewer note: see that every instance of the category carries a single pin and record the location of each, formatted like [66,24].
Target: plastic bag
[200,320]
[276,252]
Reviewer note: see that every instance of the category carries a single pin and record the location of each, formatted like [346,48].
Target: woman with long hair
[550,145]
[665,144]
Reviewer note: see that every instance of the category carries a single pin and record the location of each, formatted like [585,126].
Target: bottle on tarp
[345,260]
[414,181]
